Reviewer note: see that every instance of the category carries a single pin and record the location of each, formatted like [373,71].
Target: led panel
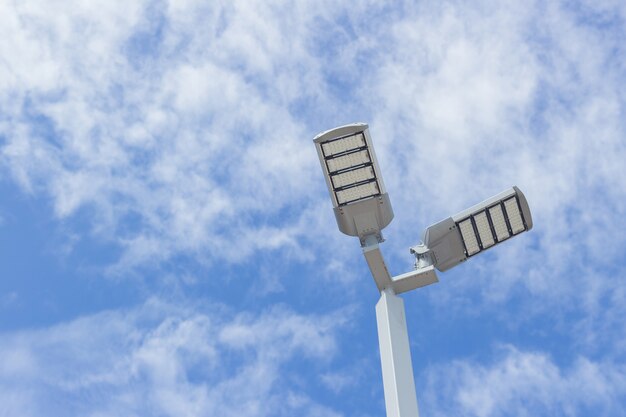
[357,193]
[484,230]
[469,237]
[338,146]
[350,160]
[353,177]
[360,201]
[499,223]
[478,228]
[514,215]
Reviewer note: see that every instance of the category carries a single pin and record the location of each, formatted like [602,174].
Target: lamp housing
[360,201]
[472,231]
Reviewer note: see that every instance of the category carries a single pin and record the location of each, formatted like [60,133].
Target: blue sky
[167,244]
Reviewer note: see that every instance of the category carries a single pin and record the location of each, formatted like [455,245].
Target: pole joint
[423,255]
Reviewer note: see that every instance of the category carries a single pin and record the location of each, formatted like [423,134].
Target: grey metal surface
[395,357]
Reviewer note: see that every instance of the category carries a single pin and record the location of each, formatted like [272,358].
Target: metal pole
[395,356]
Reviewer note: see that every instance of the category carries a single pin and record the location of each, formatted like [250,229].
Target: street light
[362,208]
[472,231]
[361,203]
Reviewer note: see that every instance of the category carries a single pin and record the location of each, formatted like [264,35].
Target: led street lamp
[472,231]
[361,203]
[362,208]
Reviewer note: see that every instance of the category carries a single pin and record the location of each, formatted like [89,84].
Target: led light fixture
[360,202]
[476,229]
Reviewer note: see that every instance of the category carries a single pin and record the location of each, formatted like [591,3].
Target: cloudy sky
[167,244]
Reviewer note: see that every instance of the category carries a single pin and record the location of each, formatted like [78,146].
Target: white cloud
[181,116]
[163,359]
[339,381]
[470,99]
[186,127]
[525,384]
[195,120]
[186,142]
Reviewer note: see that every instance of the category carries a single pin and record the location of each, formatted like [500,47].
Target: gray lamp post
[363,209]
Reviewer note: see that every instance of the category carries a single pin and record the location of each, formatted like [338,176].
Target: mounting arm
[424,273]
